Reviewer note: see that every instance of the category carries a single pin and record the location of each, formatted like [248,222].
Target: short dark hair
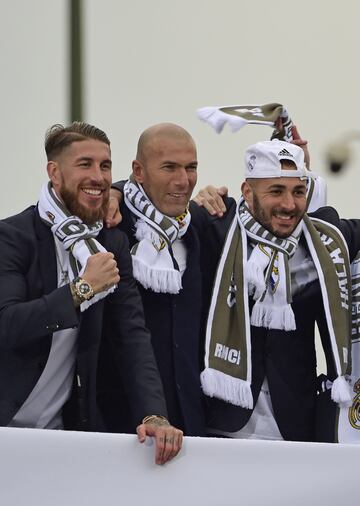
[59,137]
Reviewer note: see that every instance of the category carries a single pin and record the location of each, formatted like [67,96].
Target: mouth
[180,196]
[284,217]
[92,192]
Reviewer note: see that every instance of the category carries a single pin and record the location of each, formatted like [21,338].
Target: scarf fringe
[234,390]
[273,317]
[255,278]
[159,280]
[341,392]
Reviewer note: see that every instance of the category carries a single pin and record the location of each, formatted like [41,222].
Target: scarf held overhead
[236,116]
[154,265]
[228,367]
[72,235]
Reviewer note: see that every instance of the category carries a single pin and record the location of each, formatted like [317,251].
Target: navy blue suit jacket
[32,308]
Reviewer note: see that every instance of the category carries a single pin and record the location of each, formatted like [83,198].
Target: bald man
[166,261]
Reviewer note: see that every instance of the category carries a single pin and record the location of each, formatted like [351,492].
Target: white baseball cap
[263,160]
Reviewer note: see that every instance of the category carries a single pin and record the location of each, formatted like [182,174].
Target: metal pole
[76,106]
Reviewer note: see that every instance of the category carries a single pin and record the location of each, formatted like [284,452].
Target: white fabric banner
[59,468]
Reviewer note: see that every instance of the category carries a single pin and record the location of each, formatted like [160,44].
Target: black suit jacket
[32,308]
[174,323]
[287,359]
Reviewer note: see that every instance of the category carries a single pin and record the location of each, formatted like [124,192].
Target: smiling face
[277,203]
[81,176]
[166,166]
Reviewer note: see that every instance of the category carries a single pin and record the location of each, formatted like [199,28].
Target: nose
[288,201]
[96,174]
[182,178]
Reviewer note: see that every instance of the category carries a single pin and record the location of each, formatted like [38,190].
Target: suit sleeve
[24,321]
[130,340]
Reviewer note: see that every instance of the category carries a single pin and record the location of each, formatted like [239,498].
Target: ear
[138,171]
[54,174]
[247,192]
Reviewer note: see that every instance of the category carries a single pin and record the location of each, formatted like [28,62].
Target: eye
[191,168]
[169,167]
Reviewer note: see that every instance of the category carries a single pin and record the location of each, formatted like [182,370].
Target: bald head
[154,137]
[166,167]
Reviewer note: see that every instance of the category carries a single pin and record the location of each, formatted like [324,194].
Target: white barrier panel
[58,468]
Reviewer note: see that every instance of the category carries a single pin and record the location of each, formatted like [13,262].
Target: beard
[264,217]
[88,216]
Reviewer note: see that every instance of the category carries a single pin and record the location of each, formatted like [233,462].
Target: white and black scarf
[72,235]
[228,367]
[154,264]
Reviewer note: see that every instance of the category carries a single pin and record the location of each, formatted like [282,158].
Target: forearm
[23,322]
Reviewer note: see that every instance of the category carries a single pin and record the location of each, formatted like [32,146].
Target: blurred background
[146,62]
[136,63]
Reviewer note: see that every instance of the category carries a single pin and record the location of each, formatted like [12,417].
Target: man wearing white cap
[277,272]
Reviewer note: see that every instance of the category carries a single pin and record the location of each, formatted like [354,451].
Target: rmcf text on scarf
[226,353]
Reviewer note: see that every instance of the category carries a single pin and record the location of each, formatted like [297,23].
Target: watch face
[84,288]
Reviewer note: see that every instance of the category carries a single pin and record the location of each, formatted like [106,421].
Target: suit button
[176,346]
[178,386]
[53,327]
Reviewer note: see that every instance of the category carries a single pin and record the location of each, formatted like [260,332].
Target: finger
[114,220]
[177,443]
[278,124]
[295,133]
[215,205]
[160,446]
[173,444]
[223,191]
[112,208]
[168,448]
[141,433]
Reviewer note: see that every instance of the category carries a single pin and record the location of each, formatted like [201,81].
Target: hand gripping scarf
[228,367]
[72,235]
[154,264]
[239,115]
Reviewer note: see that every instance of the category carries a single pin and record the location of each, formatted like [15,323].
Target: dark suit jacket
[287,359]
[174,323]
[32,308]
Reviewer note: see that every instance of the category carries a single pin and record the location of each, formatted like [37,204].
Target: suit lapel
[47,255]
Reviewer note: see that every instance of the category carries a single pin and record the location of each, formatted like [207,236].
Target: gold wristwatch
[81,290]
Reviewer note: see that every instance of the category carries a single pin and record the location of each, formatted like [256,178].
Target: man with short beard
[67,292]
[270,272]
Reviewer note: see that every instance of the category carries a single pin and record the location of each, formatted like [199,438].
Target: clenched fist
[101,271]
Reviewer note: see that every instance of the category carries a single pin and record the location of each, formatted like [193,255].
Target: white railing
[58,468]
